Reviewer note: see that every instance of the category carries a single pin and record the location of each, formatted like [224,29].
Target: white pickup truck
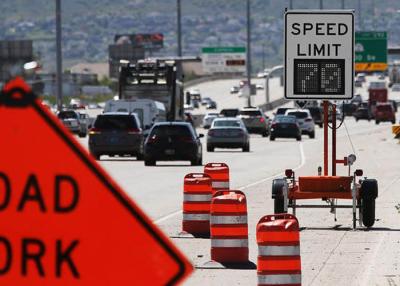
[149,111]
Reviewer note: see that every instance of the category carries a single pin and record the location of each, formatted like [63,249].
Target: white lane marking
[302,163]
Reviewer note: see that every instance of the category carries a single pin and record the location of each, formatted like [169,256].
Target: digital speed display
[319,76]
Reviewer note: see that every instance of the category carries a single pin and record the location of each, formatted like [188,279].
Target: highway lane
[331,252]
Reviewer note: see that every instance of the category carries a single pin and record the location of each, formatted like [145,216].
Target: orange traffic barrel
[278,241]
[197,194]
[219,173]
[228,227]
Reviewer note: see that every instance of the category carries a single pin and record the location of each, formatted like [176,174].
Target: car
[116,133]
[305,121]
[234,89]
[396,87]
[362,112]
[188,107]
[229,112]
[211,105]
[71,120]
[259,86]
[285,126]
[317,114]
[348,108]
[255,120]
[173,141]
[384,112]
[208,119]
[282,110]
[228,133]
[361,77]
[205,100]
[358,82]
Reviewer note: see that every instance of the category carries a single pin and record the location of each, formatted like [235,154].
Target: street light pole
[248,52]
[291,4]
[59,76]
[321,4]
[343,6]
[179,27]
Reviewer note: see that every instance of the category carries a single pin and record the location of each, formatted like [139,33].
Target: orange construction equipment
[219,173]
[197,194]
[229,230]
[278,241]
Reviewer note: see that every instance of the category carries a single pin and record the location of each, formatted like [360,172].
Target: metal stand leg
[294,207]
[353,193]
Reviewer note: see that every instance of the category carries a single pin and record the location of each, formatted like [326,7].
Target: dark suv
[173,141]
[116,133]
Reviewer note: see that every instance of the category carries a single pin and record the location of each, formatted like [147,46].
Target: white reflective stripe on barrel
[219,184]
[229,242]
[225,219]
[279,279]
[196,198]
[264,250]
[196,217]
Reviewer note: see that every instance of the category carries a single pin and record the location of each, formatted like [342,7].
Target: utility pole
[361,24]
[179,27]
[59,76]
[248,54]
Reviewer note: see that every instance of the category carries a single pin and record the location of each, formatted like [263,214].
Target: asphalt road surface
[331,252]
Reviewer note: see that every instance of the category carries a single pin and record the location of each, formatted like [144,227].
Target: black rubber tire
[393,121]
[377,122]
[278,205]
[149,162]
[357,119]
[139,157]
[246,148]
[312,135]
[272,138]
[320,125]
[368,212]
[82,135]
[298,138]
[265,134]
[210,148]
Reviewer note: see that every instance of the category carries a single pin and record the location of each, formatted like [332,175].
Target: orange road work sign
[63,220]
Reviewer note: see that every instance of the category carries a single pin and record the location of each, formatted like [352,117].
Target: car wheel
[393,121]
[357,119]
[377,122]
[82,135]
[265,133]
[298,138]
[312,135]
[246,148]
[139,157]
[96,156]
[320,125]
[272,138]
[210,148]
[149,162]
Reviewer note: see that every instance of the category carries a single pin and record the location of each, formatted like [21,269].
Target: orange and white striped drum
[229,230]
[278,240]
[197,194]
[219,173]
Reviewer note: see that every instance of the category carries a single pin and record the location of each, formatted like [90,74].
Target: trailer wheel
[369,192]
[279,206]
[368,212]
[279,187]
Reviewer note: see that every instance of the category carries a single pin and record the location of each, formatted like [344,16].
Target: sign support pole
[326,160]
[334,140]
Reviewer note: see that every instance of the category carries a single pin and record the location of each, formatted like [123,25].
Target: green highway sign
[370,51]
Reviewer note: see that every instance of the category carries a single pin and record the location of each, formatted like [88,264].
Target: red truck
[378,93]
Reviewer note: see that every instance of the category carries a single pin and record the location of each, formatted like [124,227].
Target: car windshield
[229,112]
[314,111]
[67,115]
[281,110]
[250,112]
[226,123]
[115,122]
[298,114]
[171,131]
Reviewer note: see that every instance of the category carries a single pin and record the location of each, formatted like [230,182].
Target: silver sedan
[228,133]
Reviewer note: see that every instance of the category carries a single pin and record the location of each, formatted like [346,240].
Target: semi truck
[154,79]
